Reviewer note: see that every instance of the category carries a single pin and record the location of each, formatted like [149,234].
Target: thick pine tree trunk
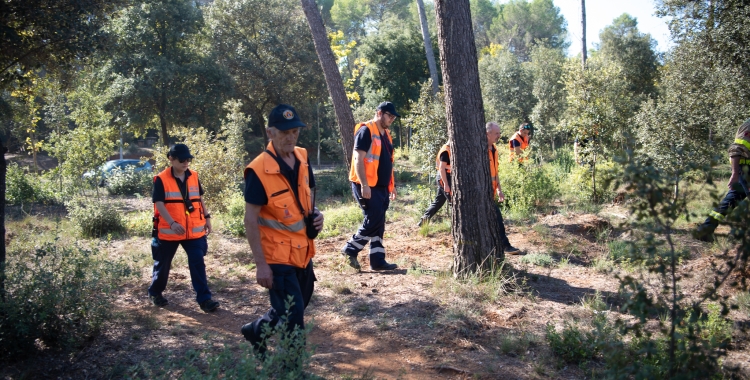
[3,171]
[344,116]
[475,228]
[428,47]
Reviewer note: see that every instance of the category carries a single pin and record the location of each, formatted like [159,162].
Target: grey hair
[489,125]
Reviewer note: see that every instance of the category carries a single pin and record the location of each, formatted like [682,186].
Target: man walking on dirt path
[281,222]
[519,142]
[493,134]
[739,156]
[443,167]
[180,218]
[371,177]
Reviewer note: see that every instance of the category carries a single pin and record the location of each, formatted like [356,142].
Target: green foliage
[57,296]
[538,259]
[94,217]
[129,181]
[522,24]
[579,185]
[233,218]
[333,183]
[427,120]
[341,220]
[526,186]
[218,159]
[623,43]
[23,187]
[546,68]
[139,223]
[507,89]
[579,344]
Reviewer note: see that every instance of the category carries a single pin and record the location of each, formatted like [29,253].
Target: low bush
[56,297]
[233,219]
[579,185]
[139,223]
[526,186]
[341,220]
[538,259]
[333,183]
[22,187]
[94,217]
[129,182]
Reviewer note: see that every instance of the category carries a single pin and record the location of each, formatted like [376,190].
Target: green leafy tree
[156,71]
[547,68]
[483,12]
[506,89]
[427,119]
[598,108]
[522,24]
[623,43]
[396,66]
[267,49]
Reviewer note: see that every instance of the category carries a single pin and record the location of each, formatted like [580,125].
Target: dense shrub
[22,187]
[139,223]
[580,187]
[526,186]
[56,297]
[94,217]
[129,181]
[233,219]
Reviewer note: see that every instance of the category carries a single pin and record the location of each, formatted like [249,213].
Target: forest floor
[415,322]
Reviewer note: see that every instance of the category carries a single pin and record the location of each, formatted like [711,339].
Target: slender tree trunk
[583,34]
[163,119]
[475,228]
[344,116]
[3,170]
[428,47]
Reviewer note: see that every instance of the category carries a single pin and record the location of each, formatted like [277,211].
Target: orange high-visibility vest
[444,148]
[194,222]
[372,158]
[493,169]
[281,221]
[524,144]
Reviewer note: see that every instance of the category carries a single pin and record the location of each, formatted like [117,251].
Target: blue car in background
[110,166]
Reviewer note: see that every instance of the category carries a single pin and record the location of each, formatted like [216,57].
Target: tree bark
[475,227]
[344,116]
[3,171]
[583,34]
[428,47]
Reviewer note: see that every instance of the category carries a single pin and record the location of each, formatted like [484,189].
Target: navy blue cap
[179,151]
[284,117]
[388,107]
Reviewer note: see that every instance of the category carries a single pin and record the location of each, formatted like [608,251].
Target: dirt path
[410,323]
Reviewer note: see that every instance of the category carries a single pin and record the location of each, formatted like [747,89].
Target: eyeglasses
[182,160]
[392,116]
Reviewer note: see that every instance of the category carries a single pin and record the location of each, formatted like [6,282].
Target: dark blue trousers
[288,281]
[439,201]
[503,236]
[373,227]
[163,252]
[736,195]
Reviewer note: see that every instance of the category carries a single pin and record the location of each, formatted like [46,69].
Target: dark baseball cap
[526,126]
[284,117]
[388,107]
[179,151]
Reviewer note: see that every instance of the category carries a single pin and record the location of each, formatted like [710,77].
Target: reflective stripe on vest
[372,157]
[281,223]
[192,222]
[743,143]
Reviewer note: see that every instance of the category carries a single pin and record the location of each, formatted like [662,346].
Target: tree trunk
[163,119]
[3,170]
[344,116]
[428,47]
[475,239]
[583,34]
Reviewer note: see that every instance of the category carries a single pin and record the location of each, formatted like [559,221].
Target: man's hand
[393,194]
[366,192]
[447,189]
[264,276]
[318,221]
[500,195]
[208,227]
[177,228]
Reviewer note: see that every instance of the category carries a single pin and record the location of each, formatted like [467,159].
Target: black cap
[179,151]
[284,117]
[388,107]
[526,126]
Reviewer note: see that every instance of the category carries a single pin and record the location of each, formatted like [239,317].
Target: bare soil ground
[410,323]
